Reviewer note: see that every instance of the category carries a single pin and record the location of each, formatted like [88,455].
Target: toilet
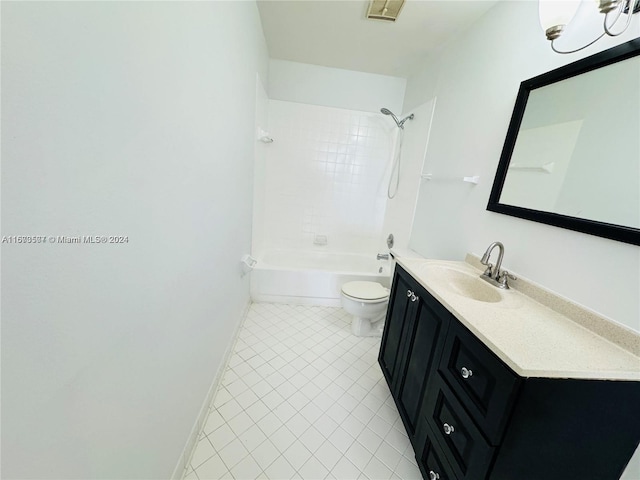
[367,302]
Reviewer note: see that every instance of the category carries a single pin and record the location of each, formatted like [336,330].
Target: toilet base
[362,327]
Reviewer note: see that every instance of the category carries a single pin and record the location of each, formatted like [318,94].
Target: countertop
[539,334]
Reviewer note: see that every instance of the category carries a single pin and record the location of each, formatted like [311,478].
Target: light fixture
[555,15]
[385,9]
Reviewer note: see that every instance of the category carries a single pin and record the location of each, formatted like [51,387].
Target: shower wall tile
[326,174]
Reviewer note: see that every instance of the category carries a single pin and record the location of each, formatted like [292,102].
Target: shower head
[386,111]
[399,123]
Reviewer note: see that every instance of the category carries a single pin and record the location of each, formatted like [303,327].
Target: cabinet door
[392,338]
[425,334]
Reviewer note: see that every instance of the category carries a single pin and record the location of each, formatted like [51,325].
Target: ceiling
[335,33]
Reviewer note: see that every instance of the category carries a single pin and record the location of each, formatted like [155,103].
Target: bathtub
[310,277]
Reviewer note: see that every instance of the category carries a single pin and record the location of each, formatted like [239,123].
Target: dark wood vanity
[469,416]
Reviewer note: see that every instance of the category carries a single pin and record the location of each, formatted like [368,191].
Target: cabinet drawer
[452,428]
[432,461]
[482,382]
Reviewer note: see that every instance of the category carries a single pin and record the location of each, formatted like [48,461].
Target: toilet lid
[365,290]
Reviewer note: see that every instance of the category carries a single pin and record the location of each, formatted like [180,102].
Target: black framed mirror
[571,157]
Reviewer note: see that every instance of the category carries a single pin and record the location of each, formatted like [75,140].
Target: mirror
[571,157]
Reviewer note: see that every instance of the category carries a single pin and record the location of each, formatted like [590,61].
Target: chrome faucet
[493,274]
[489,272]
[382,256]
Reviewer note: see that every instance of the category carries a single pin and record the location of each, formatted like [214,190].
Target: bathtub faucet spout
[382,256]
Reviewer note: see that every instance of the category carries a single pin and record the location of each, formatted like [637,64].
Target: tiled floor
[302,398]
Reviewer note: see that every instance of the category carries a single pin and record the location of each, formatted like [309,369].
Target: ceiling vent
[385,9]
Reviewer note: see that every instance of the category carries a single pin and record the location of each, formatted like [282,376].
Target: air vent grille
[385,9]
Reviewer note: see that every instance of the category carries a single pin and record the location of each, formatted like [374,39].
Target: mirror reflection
[578,149]
[572,153]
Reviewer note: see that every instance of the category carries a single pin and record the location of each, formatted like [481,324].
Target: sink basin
[462,283]
[473,287]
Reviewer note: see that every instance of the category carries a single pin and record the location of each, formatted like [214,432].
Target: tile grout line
[349,373]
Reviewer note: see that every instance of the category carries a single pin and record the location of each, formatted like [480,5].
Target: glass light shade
[557,12]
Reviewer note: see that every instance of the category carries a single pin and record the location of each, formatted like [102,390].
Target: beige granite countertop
[537,334]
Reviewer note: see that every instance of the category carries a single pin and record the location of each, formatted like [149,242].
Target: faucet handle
[504,278]
[488,270]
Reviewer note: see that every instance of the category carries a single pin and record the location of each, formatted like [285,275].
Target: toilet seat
[367,292]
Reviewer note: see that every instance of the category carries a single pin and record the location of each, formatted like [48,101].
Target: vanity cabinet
[471,417]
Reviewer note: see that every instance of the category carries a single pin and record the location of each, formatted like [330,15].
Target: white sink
[462,283]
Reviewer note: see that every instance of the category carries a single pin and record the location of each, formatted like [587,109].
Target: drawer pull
[465,372]
[448,429]
[409,293]
[414,297]
[433,475]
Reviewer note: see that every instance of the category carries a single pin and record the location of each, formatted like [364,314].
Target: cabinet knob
[465,372]
[433,475]
[409,293]
[448,429]
[414,297]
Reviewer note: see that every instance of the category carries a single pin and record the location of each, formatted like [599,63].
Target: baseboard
[192,440]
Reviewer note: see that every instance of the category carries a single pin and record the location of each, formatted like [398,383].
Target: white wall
[261,149]
[334,87]
[129,119]
[477,79]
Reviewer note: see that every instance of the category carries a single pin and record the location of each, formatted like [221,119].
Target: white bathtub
[312,278]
